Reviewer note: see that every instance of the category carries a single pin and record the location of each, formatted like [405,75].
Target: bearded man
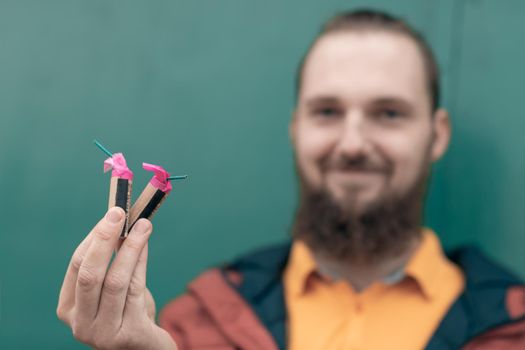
[361,272]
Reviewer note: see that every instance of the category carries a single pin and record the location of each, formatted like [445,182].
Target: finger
[94,265]
[136,299]
[150,304]
[118,278]
[66,299]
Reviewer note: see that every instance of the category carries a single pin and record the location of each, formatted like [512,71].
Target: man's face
[363,130]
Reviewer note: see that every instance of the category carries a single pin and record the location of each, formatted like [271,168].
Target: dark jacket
[241,306]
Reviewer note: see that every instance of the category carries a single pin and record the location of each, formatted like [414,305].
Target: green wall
[205,87]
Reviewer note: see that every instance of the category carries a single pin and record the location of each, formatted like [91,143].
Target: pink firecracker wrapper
[118,165]
[160,179]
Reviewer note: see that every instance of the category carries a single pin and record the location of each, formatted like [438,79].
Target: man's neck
[361,275]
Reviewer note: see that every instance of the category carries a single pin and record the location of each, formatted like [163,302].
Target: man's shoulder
[216,308]
[479,268]
[268,258]
[491,306]
[489,287]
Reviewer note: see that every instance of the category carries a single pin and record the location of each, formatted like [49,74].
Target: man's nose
[353,140]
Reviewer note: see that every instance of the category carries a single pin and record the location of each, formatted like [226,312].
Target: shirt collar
[301,267]
[426,264]
[423,267]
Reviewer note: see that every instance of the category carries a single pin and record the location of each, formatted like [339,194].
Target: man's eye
[390,114]
[327,112]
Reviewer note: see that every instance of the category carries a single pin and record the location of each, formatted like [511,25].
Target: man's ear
[442,133]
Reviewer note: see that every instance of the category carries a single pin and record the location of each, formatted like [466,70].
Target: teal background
[205,87]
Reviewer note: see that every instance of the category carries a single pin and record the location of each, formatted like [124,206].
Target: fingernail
[114,214]
[142,226]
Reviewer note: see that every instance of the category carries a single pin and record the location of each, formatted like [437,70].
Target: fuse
[153,194]
[120,184]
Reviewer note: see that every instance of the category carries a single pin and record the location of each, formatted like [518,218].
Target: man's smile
[355,176]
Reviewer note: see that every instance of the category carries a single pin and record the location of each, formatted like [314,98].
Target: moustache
[358,163]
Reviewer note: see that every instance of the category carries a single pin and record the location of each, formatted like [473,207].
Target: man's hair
[374,20]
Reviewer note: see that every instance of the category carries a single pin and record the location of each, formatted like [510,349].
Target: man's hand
[109,307]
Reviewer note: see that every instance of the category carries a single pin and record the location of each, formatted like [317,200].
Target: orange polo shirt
[326,314]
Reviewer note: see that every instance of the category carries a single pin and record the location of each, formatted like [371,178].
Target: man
[361,272]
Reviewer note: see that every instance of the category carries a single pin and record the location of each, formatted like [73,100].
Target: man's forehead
[365,65]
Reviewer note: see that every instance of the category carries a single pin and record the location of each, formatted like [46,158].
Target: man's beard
[383,230]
